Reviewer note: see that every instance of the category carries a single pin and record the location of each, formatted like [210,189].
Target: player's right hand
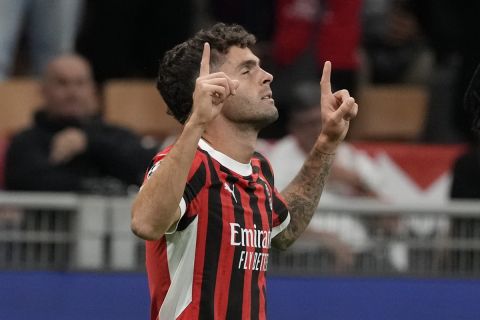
[211,91]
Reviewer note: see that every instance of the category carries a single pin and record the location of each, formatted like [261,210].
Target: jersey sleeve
[195,182]
[280,214]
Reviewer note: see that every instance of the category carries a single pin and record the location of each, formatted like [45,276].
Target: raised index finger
[205,63]
[325,85]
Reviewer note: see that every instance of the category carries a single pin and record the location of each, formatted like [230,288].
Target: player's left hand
[338,108]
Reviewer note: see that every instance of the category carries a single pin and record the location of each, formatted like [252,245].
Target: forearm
[303,194]
[155,208]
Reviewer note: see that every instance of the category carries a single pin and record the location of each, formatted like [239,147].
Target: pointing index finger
[325,85]
[205,63]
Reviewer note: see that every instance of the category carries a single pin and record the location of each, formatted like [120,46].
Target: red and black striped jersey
[213,264]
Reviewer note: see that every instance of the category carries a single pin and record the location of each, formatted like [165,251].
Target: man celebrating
[209,208]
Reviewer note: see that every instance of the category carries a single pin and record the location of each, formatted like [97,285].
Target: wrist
[193,124]
[325,145]
[193,129]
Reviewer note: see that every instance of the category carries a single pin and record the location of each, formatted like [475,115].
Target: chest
[234,203]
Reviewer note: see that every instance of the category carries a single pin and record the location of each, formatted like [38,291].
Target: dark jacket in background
[466,185]
[466,176]
[114,159]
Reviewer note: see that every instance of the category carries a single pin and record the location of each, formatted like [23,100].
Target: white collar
[244,169]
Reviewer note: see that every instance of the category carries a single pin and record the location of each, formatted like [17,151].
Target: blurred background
[397,232]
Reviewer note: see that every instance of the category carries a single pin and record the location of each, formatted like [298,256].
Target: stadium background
[84,287]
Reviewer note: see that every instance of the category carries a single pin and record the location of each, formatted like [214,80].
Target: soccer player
[208,207]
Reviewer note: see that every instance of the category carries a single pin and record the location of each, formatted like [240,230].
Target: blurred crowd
[75,46]
[429,43]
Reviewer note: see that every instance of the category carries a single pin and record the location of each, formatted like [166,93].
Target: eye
[246,71]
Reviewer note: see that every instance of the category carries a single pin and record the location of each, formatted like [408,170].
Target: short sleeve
[280,214]
[195,182]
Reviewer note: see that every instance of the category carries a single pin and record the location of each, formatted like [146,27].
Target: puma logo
[231,190]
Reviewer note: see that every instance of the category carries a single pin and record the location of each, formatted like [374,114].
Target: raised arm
[303,193]
[156,207]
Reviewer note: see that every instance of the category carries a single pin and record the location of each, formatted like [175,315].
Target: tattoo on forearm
[302,196]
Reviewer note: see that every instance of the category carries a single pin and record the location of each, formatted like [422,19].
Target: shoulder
[157,160]
[260,157]
[200,155]
[29,135]
[264,165]
[198,161]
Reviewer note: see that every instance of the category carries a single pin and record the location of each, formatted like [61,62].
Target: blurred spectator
[124,39]
[50,28]
[306,34]
[466,185]
[466,182]
[466,175]
[69,147]
[352,175]
[452,31]
[322,30]
[395,48]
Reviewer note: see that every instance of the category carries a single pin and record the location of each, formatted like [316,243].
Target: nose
[267,77]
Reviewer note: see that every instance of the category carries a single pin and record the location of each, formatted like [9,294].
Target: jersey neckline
[243,169]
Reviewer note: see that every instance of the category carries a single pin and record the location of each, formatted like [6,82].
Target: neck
[236,141]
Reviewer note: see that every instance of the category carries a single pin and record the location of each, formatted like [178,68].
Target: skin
[69,93]
[68,88]
[229,109]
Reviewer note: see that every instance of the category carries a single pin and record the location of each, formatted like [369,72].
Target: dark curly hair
[180,66]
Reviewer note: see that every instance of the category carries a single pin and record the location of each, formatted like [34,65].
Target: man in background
[69,147]
[352,175]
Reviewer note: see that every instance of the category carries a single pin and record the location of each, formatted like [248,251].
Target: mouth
[268,96]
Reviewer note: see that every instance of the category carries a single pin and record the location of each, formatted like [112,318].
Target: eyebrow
[248,64]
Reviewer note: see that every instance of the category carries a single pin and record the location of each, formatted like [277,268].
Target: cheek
[237,102]
[59,97]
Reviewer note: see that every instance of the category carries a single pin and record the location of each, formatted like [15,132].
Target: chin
[258,116]
[265,119]
[72,115]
